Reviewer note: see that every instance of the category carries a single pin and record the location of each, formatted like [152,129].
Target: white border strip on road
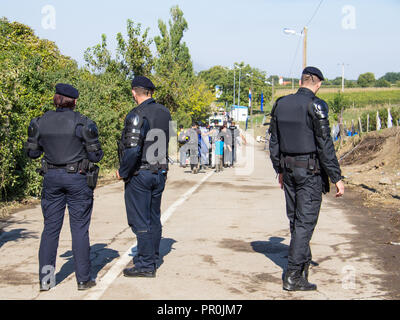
[102,285]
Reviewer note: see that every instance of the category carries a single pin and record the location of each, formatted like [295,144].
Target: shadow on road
[274,250]
[100,256]
[165,248]
[16,235]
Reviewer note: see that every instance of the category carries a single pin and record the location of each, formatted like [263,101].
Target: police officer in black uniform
[143,151]
[70,145]
[303,155]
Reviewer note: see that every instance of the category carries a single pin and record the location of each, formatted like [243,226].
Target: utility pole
[240,74]
[342,64]
[305,47]
[342,77]
[251,102]
[234,84]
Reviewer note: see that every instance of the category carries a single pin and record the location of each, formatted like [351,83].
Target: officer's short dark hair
[63,101]
[309,79]
[143,91]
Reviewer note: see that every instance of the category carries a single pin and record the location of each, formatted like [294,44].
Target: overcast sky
[362,34]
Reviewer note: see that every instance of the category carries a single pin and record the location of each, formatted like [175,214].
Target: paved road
[225,237]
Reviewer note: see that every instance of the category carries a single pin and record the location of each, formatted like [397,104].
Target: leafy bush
[29,70]
[382,83]
[338,102]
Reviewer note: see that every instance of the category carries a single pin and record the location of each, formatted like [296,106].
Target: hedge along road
[226,237]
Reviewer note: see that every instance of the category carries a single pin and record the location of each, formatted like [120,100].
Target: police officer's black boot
[133,272]
[294,281]
[86,285]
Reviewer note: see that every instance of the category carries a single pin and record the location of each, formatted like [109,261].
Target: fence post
[360,125]
[368,122]
[341,129]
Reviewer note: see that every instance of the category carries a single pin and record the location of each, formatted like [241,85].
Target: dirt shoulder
[378,226]
[371,166]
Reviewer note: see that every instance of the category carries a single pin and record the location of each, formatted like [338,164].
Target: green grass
[355,113]
[365,98]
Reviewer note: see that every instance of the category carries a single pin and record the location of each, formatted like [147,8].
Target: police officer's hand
[118,176]
[339,189]
[280,177]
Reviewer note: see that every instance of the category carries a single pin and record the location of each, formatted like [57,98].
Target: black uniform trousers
[60,189]
[303,193]
[143,195]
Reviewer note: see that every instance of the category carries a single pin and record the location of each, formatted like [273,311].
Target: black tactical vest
[57,137]
[295,131]
[155,146]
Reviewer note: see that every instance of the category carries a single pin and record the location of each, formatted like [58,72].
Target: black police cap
[67,90]
[314,71]
[142,82]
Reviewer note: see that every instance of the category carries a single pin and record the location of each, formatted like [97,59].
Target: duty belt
[291,162]
[70,166]
[82,165]
[154,168]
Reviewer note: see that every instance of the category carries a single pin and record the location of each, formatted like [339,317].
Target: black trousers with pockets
[303,193]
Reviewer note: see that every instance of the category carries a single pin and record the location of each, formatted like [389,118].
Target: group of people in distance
[209,146]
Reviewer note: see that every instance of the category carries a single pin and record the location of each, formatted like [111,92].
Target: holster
[92,173]
[43,169]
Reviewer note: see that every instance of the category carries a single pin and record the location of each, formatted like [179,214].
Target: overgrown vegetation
[31,67]
[383,115]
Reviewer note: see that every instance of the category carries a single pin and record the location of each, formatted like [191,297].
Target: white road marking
[103,284]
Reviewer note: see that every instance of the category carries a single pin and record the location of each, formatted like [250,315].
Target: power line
[302,33]
[315,13]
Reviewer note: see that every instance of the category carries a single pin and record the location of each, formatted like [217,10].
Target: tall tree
[134,54]
[392,77]
[173,53]
[186,95]
[98,58]
[250,77]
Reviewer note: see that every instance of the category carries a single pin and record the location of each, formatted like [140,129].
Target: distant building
[284,83]
[240,113]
